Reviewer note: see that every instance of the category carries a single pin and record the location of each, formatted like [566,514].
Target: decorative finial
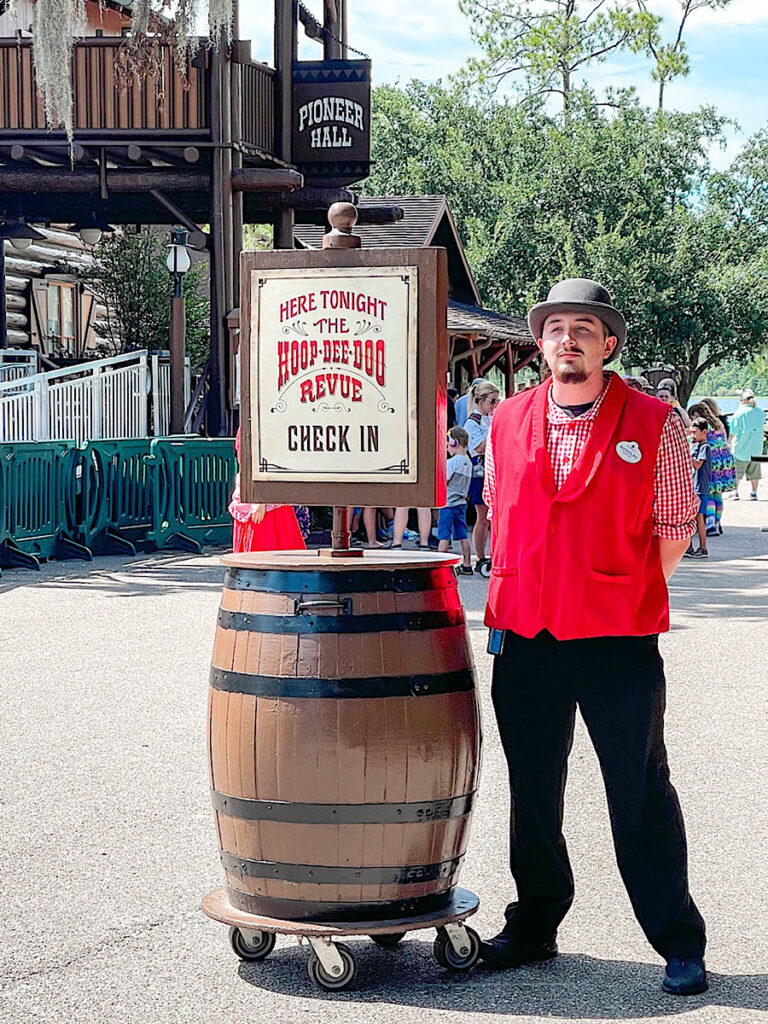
[342,217]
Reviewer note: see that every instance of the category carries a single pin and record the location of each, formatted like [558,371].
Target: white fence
[103,399]
[16,363]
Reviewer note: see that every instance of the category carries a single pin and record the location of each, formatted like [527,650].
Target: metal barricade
[116,507]
[195,477]
[38,515]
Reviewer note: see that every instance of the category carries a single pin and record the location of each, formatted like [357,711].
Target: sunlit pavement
[108,843]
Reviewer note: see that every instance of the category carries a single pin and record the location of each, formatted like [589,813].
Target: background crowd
[722,455]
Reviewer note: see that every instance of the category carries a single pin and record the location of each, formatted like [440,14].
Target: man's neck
[583,393]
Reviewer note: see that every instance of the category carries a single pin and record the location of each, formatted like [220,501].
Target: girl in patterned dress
[723,476]
[262,527]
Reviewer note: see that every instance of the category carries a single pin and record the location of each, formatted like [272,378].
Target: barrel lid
[311,558]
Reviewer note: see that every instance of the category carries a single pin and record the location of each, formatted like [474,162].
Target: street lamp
[178,263]
[91,228]
[19,234]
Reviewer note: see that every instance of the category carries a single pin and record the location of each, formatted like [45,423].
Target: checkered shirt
[674,503]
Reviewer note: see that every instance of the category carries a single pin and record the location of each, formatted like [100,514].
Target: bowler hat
[579,294]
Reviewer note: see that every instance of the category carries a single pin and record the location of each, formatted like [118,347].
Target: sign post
[344,375]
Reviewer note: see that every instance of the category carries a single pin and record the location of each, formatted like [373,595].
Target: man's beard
[567,373]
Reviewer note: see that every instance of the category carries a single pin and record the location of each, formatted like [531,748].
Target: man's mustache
[570,352]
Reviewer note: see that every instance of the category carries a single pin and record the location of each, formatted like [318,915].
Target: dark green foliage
[625,195]
[130,278]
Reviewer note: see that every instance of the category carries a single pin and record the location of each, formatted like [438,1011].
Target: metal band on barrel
[326,911]
[309,687]
[392,622]
[248,809]
[399,582]
[325,874]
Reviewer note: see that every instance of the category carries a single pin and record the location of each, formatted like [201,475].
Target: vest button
[553,529]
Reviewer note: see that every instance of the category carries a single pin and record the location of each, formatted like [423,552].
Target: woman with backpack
[482,404]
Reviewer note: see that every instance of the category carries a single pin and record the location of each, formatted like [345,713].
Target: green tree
[129,277]
[671,58]
[626,197]
[551,44]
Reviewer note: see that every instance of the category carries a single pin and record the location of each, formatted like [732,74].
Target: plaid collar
[558,416]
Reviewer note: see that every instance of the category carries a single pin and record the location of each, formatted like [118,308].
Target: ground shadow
[573,986]
[142,575]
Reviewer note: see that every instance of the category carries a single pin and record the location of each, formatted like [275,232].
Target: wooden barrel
[344,734]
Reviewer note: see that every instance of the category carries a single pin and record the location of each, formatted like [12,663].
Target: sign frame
[428,490]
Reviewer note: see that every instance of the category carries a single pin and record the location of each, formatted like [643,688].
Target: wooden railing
[159,102]
[259,106]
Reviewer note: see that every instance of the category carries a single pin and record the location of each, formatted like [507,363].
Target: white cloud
[739,13]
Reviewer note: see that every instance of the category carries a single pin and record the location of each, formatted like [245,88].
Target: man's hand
[671,552]
[257,513]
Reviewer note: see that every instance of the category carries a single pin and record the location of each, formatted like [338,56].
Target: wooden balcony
[161,103]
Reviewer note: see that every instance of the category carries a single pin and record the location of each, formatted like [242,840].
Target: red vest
[581,561]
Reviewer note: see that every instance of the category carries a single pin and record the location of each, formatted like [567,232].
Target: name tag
[629,451]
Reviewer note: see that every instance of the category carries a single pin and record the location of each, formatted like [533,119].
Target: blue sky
[429,39]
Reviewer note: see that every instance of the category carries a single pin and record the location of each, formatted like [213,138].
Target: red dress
[278,530]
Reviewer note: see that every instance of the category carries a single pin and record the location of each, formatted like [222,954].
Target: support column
[285,55]
[332,47]
[217,394]
[177,346]
[3,310]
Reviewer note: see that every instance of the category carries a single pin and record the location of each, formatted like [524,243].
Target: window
[60,321]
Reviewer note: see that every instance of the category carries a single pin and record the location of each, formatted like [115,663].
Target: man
[747,425]
[592,507]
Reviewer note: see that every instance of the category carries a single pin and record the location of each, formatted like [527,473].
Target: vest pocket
[609,577]
[497,584]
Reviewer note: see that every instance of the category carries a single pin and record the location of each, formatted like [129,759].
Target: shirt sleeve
[489,481]
[239,510]
[477,434]
[675,503]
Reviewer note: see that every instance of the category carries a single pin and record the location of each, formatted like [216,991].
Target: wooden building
[222,142]
[481,340]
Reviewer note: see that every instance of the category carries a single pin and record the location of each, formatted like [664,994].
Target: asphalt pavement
[107,841]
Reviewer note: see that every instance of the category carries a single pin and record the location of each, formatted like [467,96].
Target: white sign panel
[333,374]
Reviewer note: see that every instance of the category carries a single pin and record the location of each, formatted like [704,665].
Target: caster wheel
[485,568]
[447,956]
[333,982]
[388,941]
[253,947]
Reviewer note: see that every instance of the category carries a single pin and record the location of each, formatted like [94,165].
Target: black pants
[618,684]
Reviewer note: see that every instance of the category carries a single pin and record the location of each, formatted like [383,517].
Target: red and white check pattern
[674,505]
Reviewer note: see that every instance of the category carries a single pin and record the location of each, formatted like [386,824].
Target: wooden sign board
[343,377]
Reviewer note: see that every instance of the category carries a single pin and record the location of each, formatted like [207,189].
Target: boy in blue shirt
[452,521]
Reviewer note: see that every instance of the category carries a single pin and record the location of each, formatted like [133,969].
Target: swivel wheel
[388,941]
[457,947]
[338,972]
[251,946]
[484,568]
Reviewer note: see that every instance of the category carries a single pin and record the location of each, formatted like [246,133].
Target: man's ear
[611,341]
[540,346]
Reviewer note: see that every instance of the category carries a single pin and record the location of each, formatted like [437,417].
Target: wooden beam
[263,179]
[525,361]
[245,179]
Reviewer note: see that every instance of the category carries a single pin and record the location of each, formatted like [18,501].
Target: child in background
[452,521]
[262,527]
[702,467]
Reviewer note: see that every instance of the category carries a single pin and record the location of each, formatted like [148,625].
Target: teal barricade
[116,510]
[195,477]
[38,515]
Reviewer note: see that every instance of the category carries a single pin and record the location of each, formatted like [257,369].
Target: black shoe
[685,977]
[505,951]
[465,570]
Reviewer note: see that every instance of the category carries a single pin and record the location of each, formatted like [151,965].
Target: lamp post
[178,263]
[21,236]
